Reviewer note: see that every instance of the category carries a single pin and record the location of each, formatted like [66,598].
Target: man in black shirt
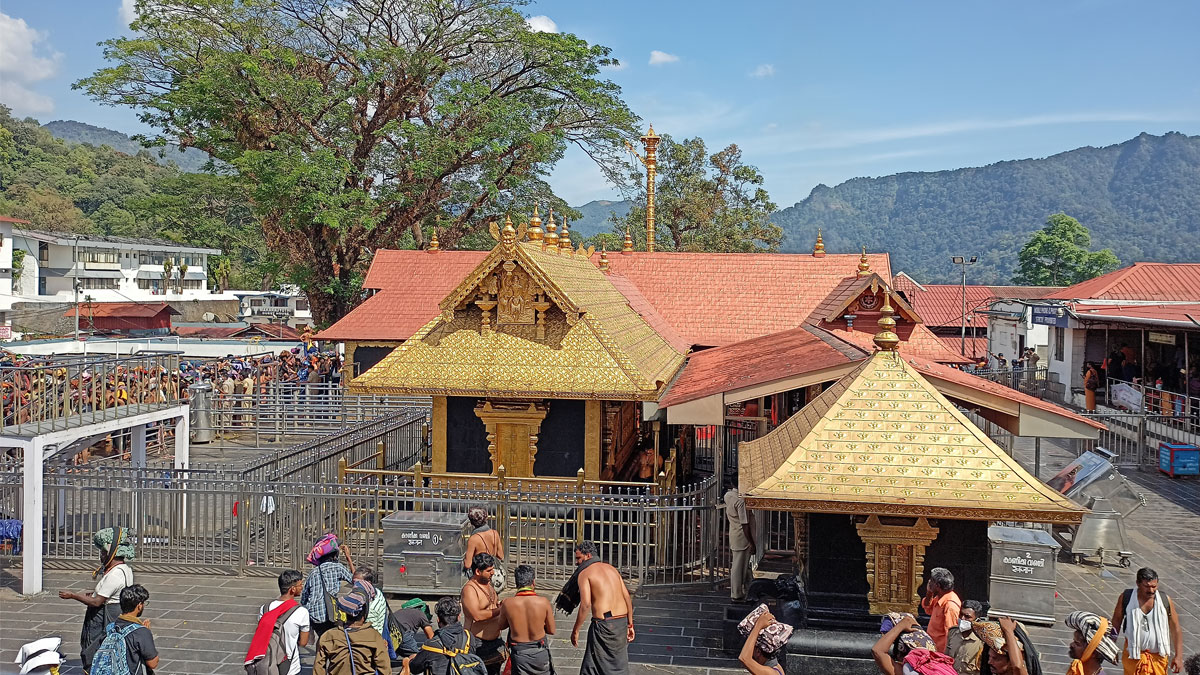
[139,643]
[450,635]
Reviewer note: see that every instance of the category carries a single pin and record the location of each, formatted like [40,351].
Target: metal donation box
[1092,481]
[1022,573]
[423,551]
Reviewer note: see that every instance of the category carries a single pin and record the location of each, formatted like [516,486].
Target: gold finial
[434,247]
[564,239]
[535,230]
[508,236]
[603,260]
[864,265]
[886,339]
[819,247]
[627,245]
[651,134]
[551,238]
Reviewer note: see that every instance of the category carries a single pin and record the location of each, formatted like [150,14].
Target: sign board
[1050,315]
[1161,338]
[5,332]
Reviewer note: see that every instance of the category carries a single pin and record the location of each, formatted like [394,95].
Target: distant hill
[1141,198]
[597,216]
[190,160]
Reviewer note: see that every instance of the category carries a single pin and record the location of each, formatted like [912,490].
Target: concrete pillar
[182,444]
[32,507]
[138,452]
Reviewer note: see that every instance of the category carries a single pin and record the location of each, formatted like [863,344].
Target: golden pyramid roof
[594,345]
[883,440]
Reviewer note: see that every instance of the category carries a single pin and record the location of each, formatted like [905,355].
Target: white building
[108,269]
[288,307]
[6,274]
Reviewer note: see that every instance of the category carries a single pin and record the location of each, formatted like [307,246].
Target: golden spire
[819,247]
[650,143]
[564,239]
[886,339]
[627,246]
[551,238]
[433,242]
[864,265]
[535,230]
[603,259]
[508,236]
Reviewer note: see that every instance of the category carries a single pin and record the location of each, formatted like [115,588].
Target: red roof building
[1144,281]
[124,317]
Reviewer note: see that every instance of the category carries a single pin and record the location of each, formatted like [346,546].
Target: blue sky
[812,92]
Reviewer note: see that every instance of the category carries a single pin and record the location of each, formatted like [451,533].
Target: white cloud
[538,24]
[128,11]
[763,70]
[771,126]
[658,58]
[23,62]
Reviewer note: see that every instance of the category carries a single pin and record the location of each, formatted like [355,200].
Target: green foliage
[1059,255]
[356,128]
[1140,198]
[87,189]
[703,203]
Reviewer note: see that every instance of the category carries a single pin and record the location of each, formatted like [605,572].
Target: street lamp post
[963,261]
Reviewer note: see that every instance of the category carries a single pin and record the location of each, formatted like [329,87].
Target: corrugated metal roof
[940,305]
[121,309]
[1162,282]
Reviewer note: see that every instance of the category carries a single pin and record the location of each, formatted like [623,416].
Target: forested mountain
[97,189]
[597,216]
[1141,198]
[71,131]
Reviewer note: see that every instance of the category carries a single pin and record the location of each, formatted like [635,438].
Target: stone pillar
[32,507]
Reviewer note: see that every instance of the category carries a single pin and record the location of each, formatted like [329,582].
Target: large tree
[355,122]
[1060,255]
[702,203]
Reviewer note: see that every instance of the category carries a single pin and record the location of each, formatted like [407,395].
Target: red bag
[328,543]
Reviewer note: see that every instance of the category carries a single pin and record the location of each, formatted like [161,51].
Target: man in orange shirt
[942,605]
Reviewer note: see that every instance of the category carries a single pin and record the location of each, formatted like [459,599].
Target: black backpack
[459,661]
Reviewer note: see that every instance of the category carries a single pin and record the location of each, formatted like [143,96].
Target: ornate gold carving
[439,434]
[485,325]
[895,562]
[512,432]
[508,238]
[518,291]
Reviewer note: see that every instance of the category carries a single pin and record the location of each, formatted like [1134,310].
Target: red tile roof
[410,285]
[1162,282]
[267,331]
[121,309]
[938,371]
[715,299]
[917,340]
[755,361]
[941,304]
[10,219]
[976,346]
[709,299]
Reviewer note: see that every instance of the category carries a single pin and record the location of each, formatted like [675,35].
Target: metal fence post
[1143,451]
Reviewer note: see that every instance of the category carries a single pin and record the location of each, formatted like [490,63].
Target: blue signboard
[1050,315]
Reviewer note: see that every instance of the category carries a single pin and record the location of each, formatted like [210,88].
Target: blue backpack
[112,658]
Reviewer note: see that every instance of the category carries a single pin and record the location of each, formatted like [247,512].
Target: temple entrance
[512,434]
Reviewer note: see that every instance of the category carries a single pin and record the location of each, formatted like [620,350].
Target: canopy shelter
[885,446]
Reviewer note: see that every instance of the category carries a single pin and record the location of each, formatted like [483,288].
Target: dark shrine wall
[561,441]
[962,548]
[466,438]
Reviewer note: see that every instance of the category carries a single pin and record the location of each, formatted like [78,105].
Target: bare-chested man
[529,618]
[483,539]
[603,596]
[481,611]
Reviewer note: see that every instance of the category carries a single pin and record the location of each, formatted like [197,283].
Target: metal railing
[1032,381]
[1135,438]
[1138,397]
[72,391]
[189,522]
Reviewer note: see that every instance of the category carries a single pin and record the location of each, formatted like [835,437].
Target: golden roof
[883,440]
[590,344]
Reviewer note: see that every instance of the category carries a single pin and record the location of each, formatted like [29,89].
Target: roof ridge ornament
[508,237]
[886,339]
[603,259]
[819,247]
[434,246]
[535,231]
[564,239]
[864,265]
[551,237]
[627,245]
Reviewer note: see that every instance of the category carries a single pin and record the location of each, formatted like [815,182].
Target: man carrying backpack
[283,628]
[353,648]
[450,650]
[128,645]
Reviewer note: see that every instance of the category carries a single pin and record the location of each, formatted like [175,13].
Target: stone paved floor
[202,625]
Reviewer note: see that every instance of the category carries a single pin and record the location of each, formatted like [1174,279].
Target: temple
[550,360]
